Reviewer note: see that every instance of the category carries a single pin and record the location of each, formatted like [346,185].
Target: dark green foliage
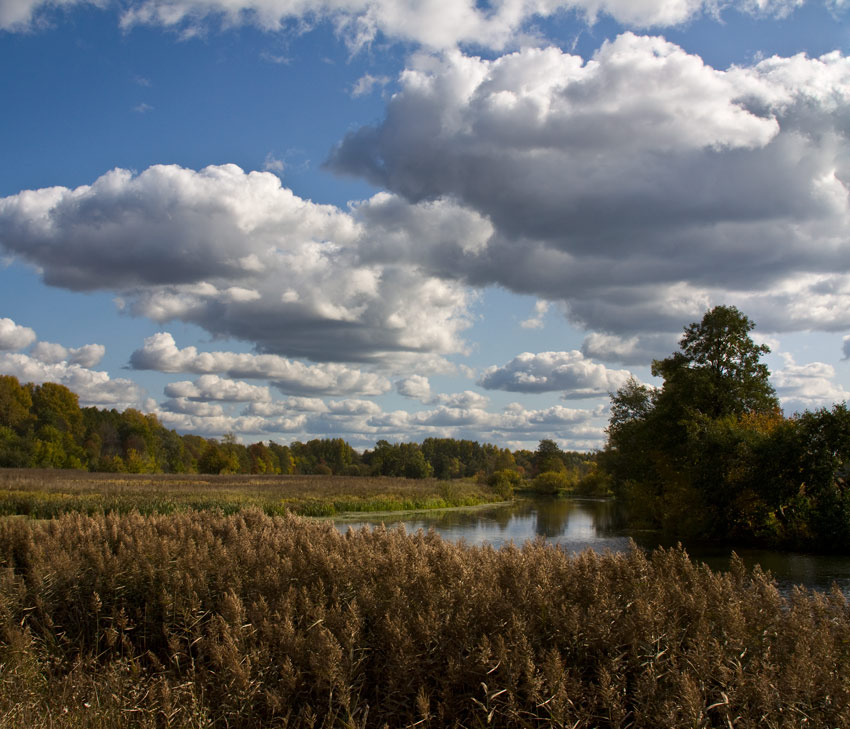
[718,370]
[202,620]
[397,459]
[709,455]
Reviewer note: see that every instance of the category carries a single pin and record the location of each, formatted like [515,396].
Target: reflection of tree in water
[552,516]
[609,515]
[459,518]
[544,517]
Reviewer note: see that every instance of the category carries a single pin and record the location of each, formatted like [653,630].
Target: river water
[578,524]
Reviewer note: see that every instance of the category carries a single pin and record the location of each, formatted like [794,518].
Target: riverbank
[206,620]
[47,493]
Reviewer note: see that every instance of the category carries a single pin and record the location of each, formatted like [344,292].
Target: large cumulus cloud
[237,254]
[639,187]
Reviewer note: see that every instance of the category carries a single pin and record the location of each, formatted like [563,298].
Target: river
[578,524]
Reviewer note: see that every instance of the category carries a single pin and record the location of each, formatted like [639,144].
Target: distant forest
[43,426]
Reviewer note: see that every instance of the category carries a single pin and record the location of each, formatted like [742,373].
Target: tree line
[43,426]
[709,454]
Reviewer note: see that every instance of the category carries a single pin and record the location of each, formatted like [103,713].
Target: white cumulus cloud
[13,336]
[160,353]
[630,186]
[89,355]
[570,371]
[239,255]
[214,388]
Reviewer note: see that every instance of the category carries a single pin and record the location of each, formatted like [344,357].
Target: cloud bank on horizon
[626,190]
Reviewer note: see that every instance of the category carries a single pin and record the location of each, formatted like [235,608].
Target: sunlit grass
[46,494]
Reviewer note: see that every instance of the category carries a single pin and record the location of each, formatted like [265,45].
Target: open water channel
[578,524]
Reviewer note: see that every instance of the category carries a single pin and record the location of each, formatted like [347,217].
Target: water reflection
[575,524]
[579,524]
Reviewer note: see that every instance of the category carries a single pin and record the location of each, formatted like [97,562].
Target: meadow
[48,493]
[201,619]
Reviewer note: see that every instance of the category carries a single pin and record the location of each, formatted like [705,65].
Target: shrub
[504,482]
[553,482]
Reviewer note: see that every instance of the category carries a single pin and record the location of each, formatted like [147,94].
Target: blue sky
[390,219]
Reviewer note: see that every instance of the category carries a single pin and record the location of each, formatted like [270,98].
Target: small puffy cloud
[287,406]
[807,386]
[535,321]
[160,353]
[636,350]
[462,400]
[218,425]
[88,355]
[13,336]
[273,164]
[569,371]
[416,386]
[239,255]
[212,387]
[352,407]
[187,406]
[367,83]
[93,387]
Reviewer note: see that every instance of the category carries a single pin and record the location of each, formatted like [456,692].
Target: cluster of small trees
[43,426]
[710,455]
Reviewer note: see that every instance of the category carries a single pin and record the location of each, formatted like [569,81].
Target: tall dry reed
[206,620]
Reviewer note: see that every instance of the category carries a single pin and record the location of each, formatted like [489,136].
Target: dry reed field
[47,493]
[201,619]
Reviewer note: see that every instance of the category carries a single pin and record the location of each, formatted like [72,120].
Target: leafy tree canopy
[718,370]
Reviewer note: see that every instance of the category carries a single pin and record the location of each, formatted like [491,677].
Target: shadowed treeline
[205,620]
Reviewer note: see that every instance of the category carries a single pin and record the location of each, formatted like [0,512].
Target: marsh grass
[200,619]
[46,494]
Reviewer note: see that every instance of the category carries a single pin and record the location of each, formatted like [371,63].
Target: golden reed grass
[208,620]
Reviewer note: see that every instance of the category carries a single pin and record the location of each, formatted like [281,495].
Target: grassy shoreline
[47,494]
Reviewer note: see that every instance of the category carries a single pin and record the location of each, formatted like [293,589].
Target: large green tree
[671,450]
[718,369]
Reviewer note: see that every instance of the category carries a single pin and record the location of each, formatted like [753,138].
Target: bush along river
[578,524]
